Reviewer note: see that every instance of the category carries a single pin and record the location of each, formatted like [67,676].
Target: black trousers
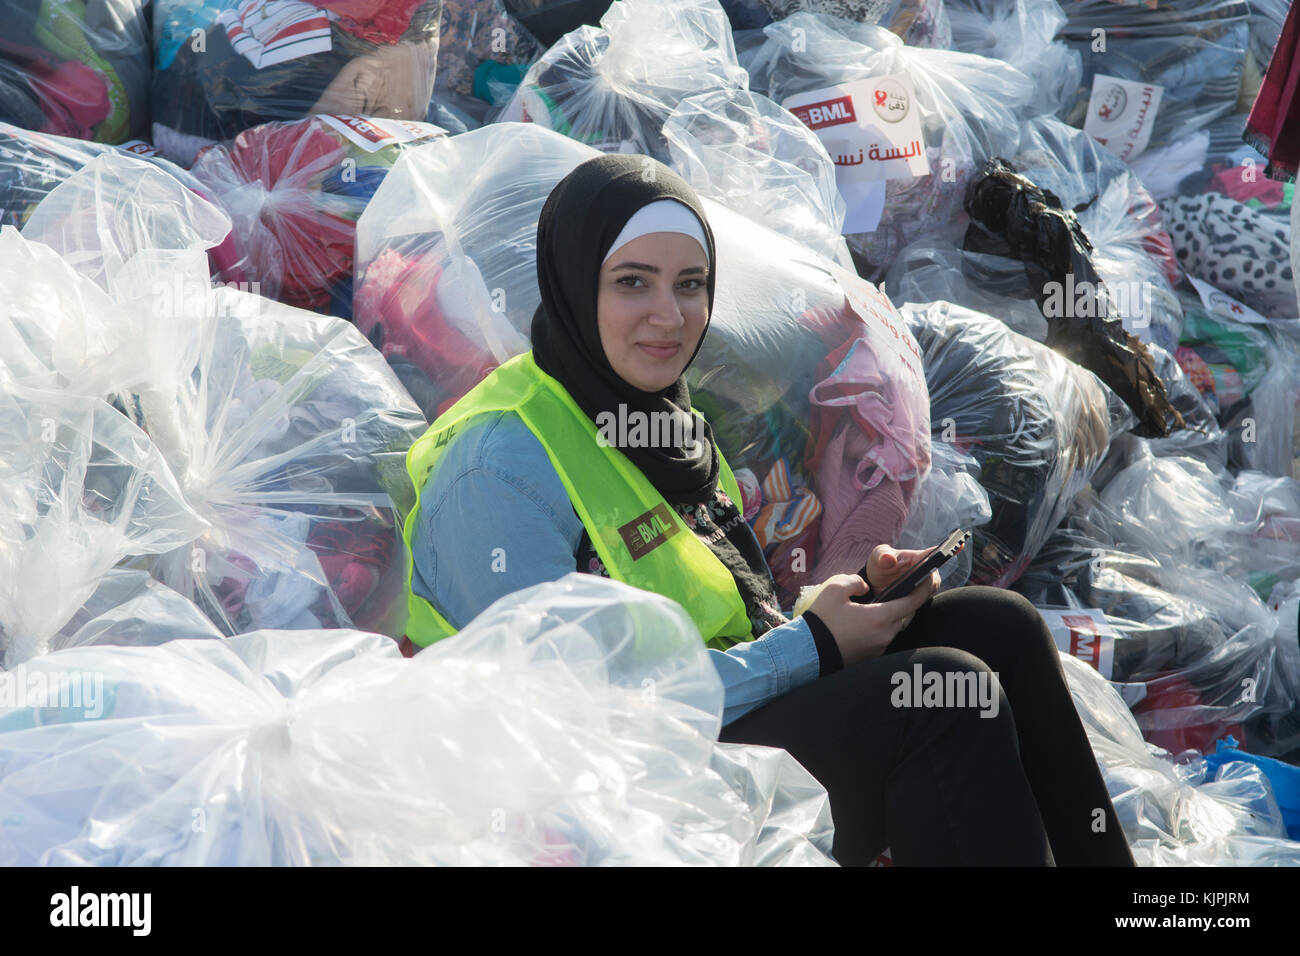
[944,785]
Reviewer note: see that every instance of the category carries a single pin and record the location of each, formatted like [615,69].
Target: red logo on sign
[1085,642]
[827,113]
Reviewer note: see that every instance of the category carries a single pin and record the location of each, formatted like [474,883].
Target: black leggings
[943,785]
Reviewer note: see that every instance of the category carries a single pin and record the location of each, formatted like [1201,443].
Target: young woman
[518,483]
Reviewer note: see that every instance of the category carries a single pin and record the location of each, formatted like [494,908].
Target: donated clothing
[512,526]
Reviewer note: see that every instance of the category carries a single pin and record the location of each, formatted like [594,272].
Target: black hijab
[579,222]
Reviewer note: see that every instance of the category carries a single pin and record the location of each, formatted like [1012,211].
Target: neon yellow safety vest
[641,539]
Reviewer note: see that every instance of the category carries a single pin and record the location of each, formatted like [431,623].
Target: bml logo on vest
[647,531]
[826,113]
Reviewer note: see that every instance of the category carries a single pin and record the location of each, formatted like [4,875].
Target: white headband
[662,215]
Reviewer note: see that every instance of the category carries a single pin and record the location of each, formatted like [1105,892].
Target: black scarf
[579,222]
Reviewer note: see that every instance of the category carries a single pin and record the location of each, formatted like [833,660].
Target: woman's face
[652,304]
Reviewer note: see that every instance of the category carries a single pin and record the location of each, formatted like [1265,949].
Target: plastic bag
[530,739]
[922,23]
[32,164]
[1012,217]
[479,44]
[80,489]
[745,152]
[950,497]
[969,110]
[1037,425]
[613,87]
[222,68]
[1192,50]
[1022,33]
[807,376]
[78,69]
[286,432]
[294,192]
[1176,812]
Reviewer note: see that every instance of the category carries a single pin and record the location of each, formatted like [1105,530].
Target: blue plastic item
[1284,778]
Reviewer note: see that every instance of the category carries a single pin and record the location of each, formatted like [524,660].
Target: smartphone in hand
[909,582]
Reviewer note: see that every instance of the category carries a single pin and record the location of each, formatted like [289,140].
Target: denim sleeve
[757,672]
[495,518]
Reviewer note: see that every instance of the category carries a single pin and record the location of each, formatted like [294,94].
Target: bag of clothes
[743,151]
[949,112]
[76,68]
[221,68]
[284,430]
[574,723]
[294,191]
[1036,425]
[1155,71]
[1177,814]
[1022,33]
[612,87]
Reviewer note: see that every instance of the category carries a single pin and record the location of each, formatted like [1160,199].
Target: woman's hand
[863,631]
[886,565]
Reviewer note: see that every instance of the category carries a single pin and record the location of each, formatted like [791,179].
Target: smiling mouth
[661,351]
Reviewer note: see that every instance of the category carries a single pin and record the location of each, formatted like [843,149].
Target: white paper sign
[373,133]
[1225,306]
[1121,114]
[872,130]
[1083,634]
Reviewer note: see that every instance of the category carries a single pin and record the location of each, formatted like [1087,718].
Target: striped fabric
[786,511]
[267,32]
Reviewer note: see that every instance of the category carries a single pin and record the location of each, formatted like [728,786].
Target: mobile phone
[905,585]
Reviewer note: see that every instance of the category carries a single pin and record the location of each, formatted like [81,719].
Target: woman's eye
[628,281]
[692,285]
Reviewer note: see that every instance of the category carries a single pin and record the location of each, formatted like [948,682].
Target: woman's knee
[950,688]
[1008,614]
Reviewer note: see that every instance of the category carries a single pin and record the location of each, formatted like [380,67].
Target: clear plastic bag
[81,488]
[1038,426]
[1200,654]
[745,152]
[573,723]
[989,284]
[294,191]
[1022,33]
[285,430]
[950,497]
[1193,49]
[921,23]
[612,87]
[78,69]
[1172,813]
[970,110]
[221,68]
[806,372]
[32,164]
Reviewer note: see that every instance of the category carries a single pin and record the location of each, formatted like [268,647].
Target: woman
[518,485]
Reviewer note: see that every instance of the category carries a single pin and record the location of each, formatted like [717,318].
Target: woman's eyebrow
[655,270]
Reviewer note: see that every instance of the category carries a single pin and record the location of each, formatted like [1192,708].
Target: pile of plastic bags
[217,347]
[574,723]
